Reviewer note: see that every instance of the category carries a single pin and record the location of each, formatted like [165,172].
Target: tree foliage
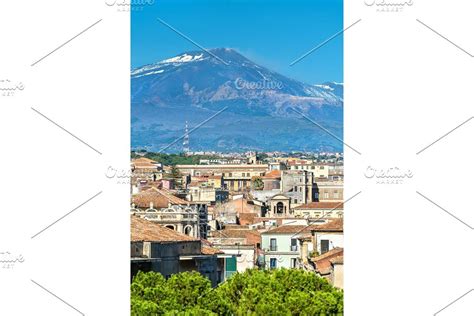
[254,292]
[257,183]
[174,159]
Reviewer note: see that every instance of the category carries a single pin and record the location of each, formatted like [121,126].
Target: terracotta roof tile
[322,205]
[235,233]
[337,260]
[323,262]
[205,250]
[287,229]
[208,249]
[145,230]
[159,197]
[335,225]
[274,174]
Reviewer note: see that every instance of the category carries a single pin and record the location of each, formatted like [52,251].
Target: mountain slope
[195,85]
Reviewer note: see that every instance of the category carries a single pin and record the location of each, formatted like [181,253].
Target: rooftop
[160,198]
[321,205]
[287,229]
[335,225]
[145,230]
[274,174]
[323,262]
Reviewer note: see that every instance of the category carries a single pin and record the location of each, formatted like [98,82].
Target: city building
[280,246]
[299,186]
[328,236]
[271,180]
[162,207]
[320,210]
[157,248]
[330,266]
[241,242]
[236,178]
[330,190]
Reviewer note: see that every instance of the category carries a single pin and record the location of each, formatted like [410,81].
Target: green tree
[175,173]
[254,292]
[257,184]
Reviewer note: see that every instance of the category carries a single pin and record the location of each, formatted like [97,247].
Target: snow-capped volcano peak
[195,84]
[185,58]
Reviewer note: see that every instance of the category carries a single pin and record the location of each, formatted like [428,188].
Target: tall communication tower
[186,139]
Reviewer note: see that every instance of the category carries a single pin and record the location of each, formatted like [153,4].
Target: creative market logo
[9,260]
[265,84]
[392,175]
[10,88]
[129,5]
[388,5]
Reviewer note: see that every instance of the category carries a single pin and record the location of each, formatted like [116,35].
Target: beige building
[319,170]
[330,191]
[156,248]
[337,277]
[279,205]
[299,186]
[162,207]
[201,194]
[235,178]
[320,209]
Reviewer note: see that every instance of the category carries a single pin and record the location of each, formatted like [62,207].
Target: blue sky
[270,33]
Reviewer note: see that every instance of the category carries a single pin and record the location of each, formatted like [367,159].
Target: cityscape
[237,162]
[221,214]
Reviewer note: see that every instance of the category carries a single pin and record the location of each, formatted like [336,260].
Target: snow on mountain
[196,83]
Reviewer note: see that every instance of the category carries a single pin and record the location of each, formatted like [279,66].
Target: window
[326,195]
[280,208]
[248,174]
[293,263]
[243,174]
[273,263]
[294,245]
[273,244]
[324,246]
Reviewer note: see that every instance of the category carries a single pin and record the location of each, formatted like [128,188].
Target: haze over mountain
[258,103]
